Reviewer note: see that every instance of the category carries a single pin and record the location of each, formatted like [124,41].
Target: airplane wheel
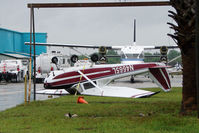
[16,78]
[132,79]
[94,58]
[54,60]
[74,58]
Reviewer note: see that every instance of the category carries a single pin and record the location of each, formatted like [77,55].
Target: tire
[54,60]
[0,77]
[94,58]
[16,78]
[132,79]
[74,58]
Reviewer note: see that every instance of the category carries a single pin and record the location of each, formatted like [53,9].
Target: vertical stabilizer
[160,77]
[134,32]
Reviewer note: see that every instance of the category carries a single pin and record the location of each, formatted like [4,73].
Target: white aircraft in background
[134,54]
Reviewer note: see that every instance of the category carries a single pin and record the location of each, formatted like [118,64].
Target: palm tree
[184,36]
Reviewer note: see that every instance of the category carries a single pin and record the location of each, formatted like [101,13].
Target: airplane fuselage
[68,77]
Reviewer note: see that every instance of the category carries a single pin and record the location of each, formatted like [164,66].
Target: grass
[157,114]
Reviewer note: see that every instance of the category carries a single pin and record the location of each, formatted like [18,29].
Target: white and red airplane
[94,79]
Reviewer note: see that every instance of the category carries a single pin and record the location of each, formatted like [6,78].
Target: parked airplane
[93,79]
[44,64]
[175,70]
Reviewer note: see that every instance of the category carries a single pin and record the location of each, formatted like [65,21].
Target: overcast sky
[100,26]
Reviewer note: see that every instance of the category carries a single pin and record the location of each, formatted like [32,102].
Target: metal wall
[13,41]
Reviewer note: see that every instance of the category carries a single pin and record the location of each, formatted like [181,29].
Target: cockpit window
[88,85]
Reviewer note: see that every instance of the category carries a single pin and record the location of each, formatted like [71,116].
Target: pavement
[144,82]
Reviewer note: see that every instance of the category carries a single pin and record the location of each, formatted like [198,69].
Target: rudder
[161,77]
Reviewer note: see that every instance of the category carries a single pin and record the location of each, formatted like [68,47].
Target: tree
[113,60]
[149,57]
[184,36]
[173,54]
[110,60]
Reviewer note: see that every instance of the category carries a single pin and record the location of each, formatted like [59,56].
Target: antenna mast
[134,33]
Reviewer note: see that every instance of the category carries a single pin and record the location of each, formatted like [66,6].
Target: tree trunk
[189,97]
[184,36]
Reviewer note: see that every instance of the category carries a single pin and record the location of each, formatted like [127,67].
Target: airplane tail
[160,76]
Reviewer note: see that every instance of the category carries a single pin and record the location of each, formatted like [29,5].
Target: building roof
[20,32]
[17,56]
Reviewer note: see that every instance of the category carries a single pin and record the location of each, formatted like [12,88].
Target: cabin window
[89,85]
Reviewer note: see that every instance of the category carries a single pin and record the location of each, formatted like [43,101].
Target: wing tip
[149,95]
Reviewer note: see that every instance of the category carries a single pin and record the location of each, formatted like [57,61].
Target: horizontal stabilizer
[52,92]
[113,91]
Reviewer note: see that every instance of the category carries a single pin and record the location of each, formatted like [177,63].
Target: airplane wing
[158,47]
[94,46]
[52,92]
[169,47]
[68,45]
[114,91]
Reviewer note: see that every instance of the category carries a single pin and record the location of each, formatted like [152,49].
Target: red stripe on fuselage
[67,74]
[142,66]
[85,71]
[77,79]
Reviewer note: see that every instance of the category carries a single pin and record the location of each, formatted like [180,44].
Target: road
[144,82]
[12,94]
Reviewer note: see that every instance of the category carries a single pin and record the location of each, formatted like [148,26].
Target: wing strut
[90,81]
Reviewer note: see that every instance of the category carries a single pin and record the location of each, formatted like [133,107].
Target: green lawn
[157,114]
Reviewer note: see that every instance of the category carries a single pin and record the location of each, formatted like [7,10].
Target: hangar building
[13,42]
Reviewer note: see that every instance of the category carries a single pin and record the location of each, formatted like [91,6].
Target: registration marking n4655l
[123,69]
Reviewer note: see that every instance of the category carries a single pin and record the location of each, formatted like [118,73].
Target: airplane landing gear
[132,79]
